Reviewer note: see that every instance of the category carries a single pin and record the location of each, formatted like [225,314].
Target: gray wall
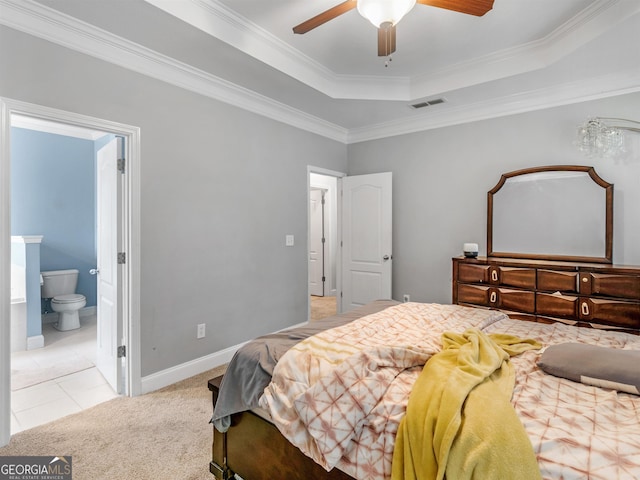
[441,179]
[220,189]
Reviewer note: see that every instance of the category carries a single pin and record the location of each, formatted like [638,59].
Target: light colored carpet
[160,435]
[322,307]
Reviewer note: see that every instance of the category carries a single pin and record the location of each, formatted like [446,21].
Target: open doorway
[323,243]
[126,337]
[361,260]
[54,200]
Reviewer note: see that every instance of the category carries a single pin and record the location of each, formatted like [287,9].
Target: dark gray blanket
[251,367]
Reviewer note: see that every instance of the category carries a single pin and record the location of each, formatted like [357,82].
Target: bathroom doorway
[123,328]
[55,193]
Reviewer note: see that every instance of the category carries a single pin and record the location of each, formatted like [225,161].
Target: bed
[547,405]
[335,400]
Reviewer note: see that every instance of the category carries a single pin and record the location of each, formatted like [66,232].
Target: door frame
[130,234]
[338,175]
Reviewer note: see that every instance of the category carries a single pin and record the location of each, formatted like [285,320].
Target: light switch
[288,240]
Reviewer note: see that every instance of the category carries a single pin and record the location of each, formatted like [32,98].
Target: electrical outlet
[406,297]
[200,333]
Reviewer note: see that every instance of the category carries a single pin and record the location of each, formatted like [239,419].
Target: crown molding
[219,21]
[216,19]
[56,27]
[577,31]
[40,21]
[620,83]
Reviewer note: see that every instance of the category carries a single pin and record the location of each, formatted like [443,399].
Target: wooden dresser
[549,291]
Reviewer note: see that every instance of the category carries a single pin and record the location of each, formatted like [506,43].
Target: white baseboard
[171,375]
[36,341]
[88,311]
[185,370]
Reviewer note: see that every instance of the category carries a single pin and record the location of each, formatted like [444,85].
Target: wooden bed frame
[255,449]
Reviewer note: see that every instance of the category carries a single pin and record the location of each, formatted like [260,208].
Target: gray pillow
[600,366]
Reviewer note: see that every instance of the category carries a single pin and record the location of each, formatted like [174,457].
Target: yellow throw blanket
[459,420]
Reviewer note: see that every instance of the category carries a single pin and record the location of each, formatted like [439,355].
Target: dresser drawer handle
[585,308]
[585,279]
[494,275]
[493,297]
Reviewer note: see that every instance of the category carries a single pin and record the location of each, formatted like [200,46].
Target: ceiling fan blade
[325,16]
[471,7]
[386,39]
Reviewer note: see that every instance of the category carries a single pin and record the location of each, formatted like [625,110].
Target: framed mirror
[554,213]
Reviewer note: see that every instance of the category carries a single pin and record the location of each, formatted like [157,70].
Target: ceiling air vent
[428,103]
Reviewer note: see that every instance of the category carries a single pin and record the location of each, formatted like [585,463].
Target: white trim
[49,24]
[40,125]
[88,311]
[56,27]
[324,171]
[5,277]
[586,26]
[568,93]
[218,20]
[188,369]
[34,342]
[131,299]
[185,370]
[26,238]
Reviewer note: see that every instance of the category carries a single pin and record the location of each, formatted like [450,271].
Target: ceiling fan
[385,14]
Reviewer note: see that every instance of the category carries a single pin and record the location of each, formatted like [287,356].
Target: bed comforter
[251,367]
[340,395]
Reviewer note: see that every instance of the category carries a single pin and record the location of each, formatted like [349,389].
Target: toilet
[60,287]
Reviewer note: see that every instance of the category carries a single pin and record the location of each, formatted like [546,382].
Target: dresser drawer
[614,312]
[556,305]
[474,294]
[473,273]
[511,299]
[517,277]
[503,298]
[610,285]
[557,281]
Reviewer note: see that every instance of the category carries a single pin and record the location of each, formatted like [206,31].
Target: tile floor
[53,396]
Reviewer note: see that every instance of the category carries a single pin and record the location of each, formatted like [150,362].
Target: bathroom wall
[53,194]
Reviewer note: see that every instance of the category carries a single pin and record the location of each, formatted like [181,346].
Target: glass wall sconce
[604,137]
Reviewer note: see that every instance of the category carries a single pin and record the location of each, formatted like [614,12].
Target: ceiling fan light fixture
[382,11]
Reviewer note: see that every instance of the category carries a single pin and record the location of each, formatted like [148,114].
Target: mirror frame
[608,233]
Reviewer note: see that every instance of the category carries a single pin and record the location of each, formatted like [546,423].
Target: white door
[316,245]
[109,317]
[366,239]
